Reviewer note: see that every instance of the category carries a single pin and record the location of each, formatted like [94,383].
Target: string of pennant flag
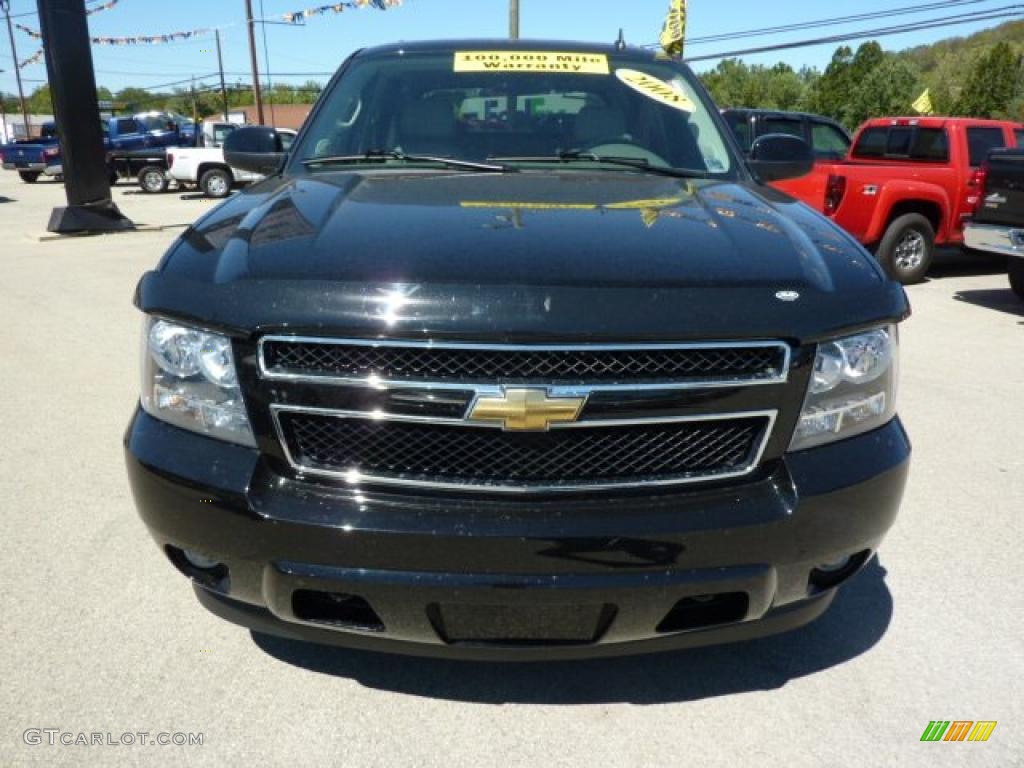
[35,57]
[89,12]
[133,40]
[292,18]
[380,5]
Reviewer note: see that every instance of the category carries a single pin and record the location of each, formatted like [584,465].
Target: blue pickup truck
[34,157]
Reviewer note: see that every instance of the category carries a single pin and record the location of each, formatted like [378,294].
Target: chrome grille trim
[357,478]
[373,382]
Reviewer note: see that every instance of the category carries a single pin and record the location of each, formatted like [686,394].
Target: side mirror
[779,156]
[256,148]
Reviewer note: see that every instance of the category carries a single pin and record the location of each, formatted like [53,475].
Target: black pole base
[83,219]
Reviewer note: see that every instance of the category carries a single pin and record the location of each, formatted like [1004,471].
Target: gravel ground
[100,634]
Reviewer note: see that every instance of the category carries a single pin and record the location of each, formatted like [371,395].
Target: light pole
[6,6]
[513,19]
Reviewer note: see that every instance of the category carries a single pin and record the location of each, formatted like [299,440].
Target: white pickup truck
[204,165]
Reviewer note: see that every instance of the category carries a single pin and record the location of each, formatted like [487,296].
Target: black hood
[611,255]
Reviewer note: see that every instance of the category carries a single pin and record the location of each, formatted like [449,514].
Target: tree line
[977,76]
[199,102]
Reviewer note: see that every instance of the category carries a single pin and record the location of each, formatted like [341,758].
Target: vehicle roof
[504,44]
[934,121]
[786,112]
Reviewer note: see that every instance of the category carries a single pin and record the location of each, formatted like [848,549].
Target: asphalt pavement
[99,634]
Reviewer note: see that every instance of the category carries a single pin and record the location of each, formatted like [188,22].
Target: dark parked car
[513,356]
[998,222]
[828,139]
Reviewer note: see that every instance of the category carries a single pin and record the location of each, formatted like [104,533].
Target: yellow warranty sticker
[654,88]
[532,61]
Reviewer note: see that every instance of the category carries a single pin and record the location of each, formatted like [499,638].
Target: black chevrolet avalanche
[513,355]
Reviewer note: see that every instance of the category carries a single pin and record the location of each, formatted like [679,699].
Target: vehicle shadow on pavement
[856,621]
[999,300]
[954,262]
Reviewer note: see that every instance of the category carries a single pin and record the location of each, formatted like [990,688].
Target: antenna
[620,44]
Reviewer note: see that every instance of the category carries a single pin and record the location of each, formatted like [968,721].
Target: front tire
[1016,270]
[153,180]
[907,249]
[216,183]
[29,177]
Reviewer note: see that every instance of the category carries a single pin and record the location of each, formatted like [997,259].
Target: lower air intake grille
[452,455]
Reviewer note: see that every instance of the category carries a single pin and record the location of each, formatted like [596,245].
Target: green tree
[829,92]
[991,85]
[734,83]
[136,100]
[39,101]
[888,88]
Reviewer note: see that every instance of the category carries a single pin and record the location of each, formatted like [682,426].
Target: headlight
[852,388]
[189,380]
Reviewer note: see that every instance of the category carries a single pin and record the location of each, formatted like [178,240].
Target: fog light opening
[202,569]
[828,575]
[838,565]
[200,561]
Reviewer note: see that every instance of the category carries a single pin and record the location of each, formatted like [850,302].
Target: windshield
[519,107]
[159,121]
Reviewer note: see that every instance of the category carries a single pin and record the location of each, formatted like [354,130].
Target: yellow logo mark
[982,730]
[527,409]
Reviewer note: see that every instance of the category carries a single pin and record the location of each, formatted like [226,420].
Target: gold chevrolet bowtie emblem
[527,409]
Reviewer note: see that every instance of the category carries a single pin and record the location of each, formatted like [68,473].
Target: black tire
[907,249]
[153,180]
[216,183]
[1016,270]
[29,177]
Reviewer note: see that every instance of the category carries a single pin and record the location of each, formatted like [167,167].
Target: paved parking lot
[100,634]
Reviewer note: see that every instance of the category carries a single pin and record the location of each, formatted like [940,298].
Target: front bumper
[434,568]
[1005,240]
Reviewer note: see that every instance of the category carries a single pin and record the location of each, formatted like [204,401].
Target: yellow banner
[656,89]
[532,61]
[673,33]
[923,105]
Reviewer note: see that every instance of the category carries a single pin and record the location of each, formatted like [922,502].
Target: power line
[1006,12]
[800,26]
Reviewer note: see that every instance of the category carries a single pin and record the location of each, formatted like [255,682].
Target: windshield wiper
[394,154]
[638,163]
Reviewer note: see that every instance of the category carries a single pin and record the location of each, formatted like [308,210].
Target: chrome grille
[454,455]
[454,363]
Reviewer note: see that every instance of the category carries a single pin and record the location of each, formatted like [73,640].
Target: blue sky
[322,44]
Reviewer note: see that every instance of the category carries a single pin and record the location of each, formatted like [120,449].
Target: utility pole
[223,87]
[6,6]
[192,93]
[513,19]
[257,96]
